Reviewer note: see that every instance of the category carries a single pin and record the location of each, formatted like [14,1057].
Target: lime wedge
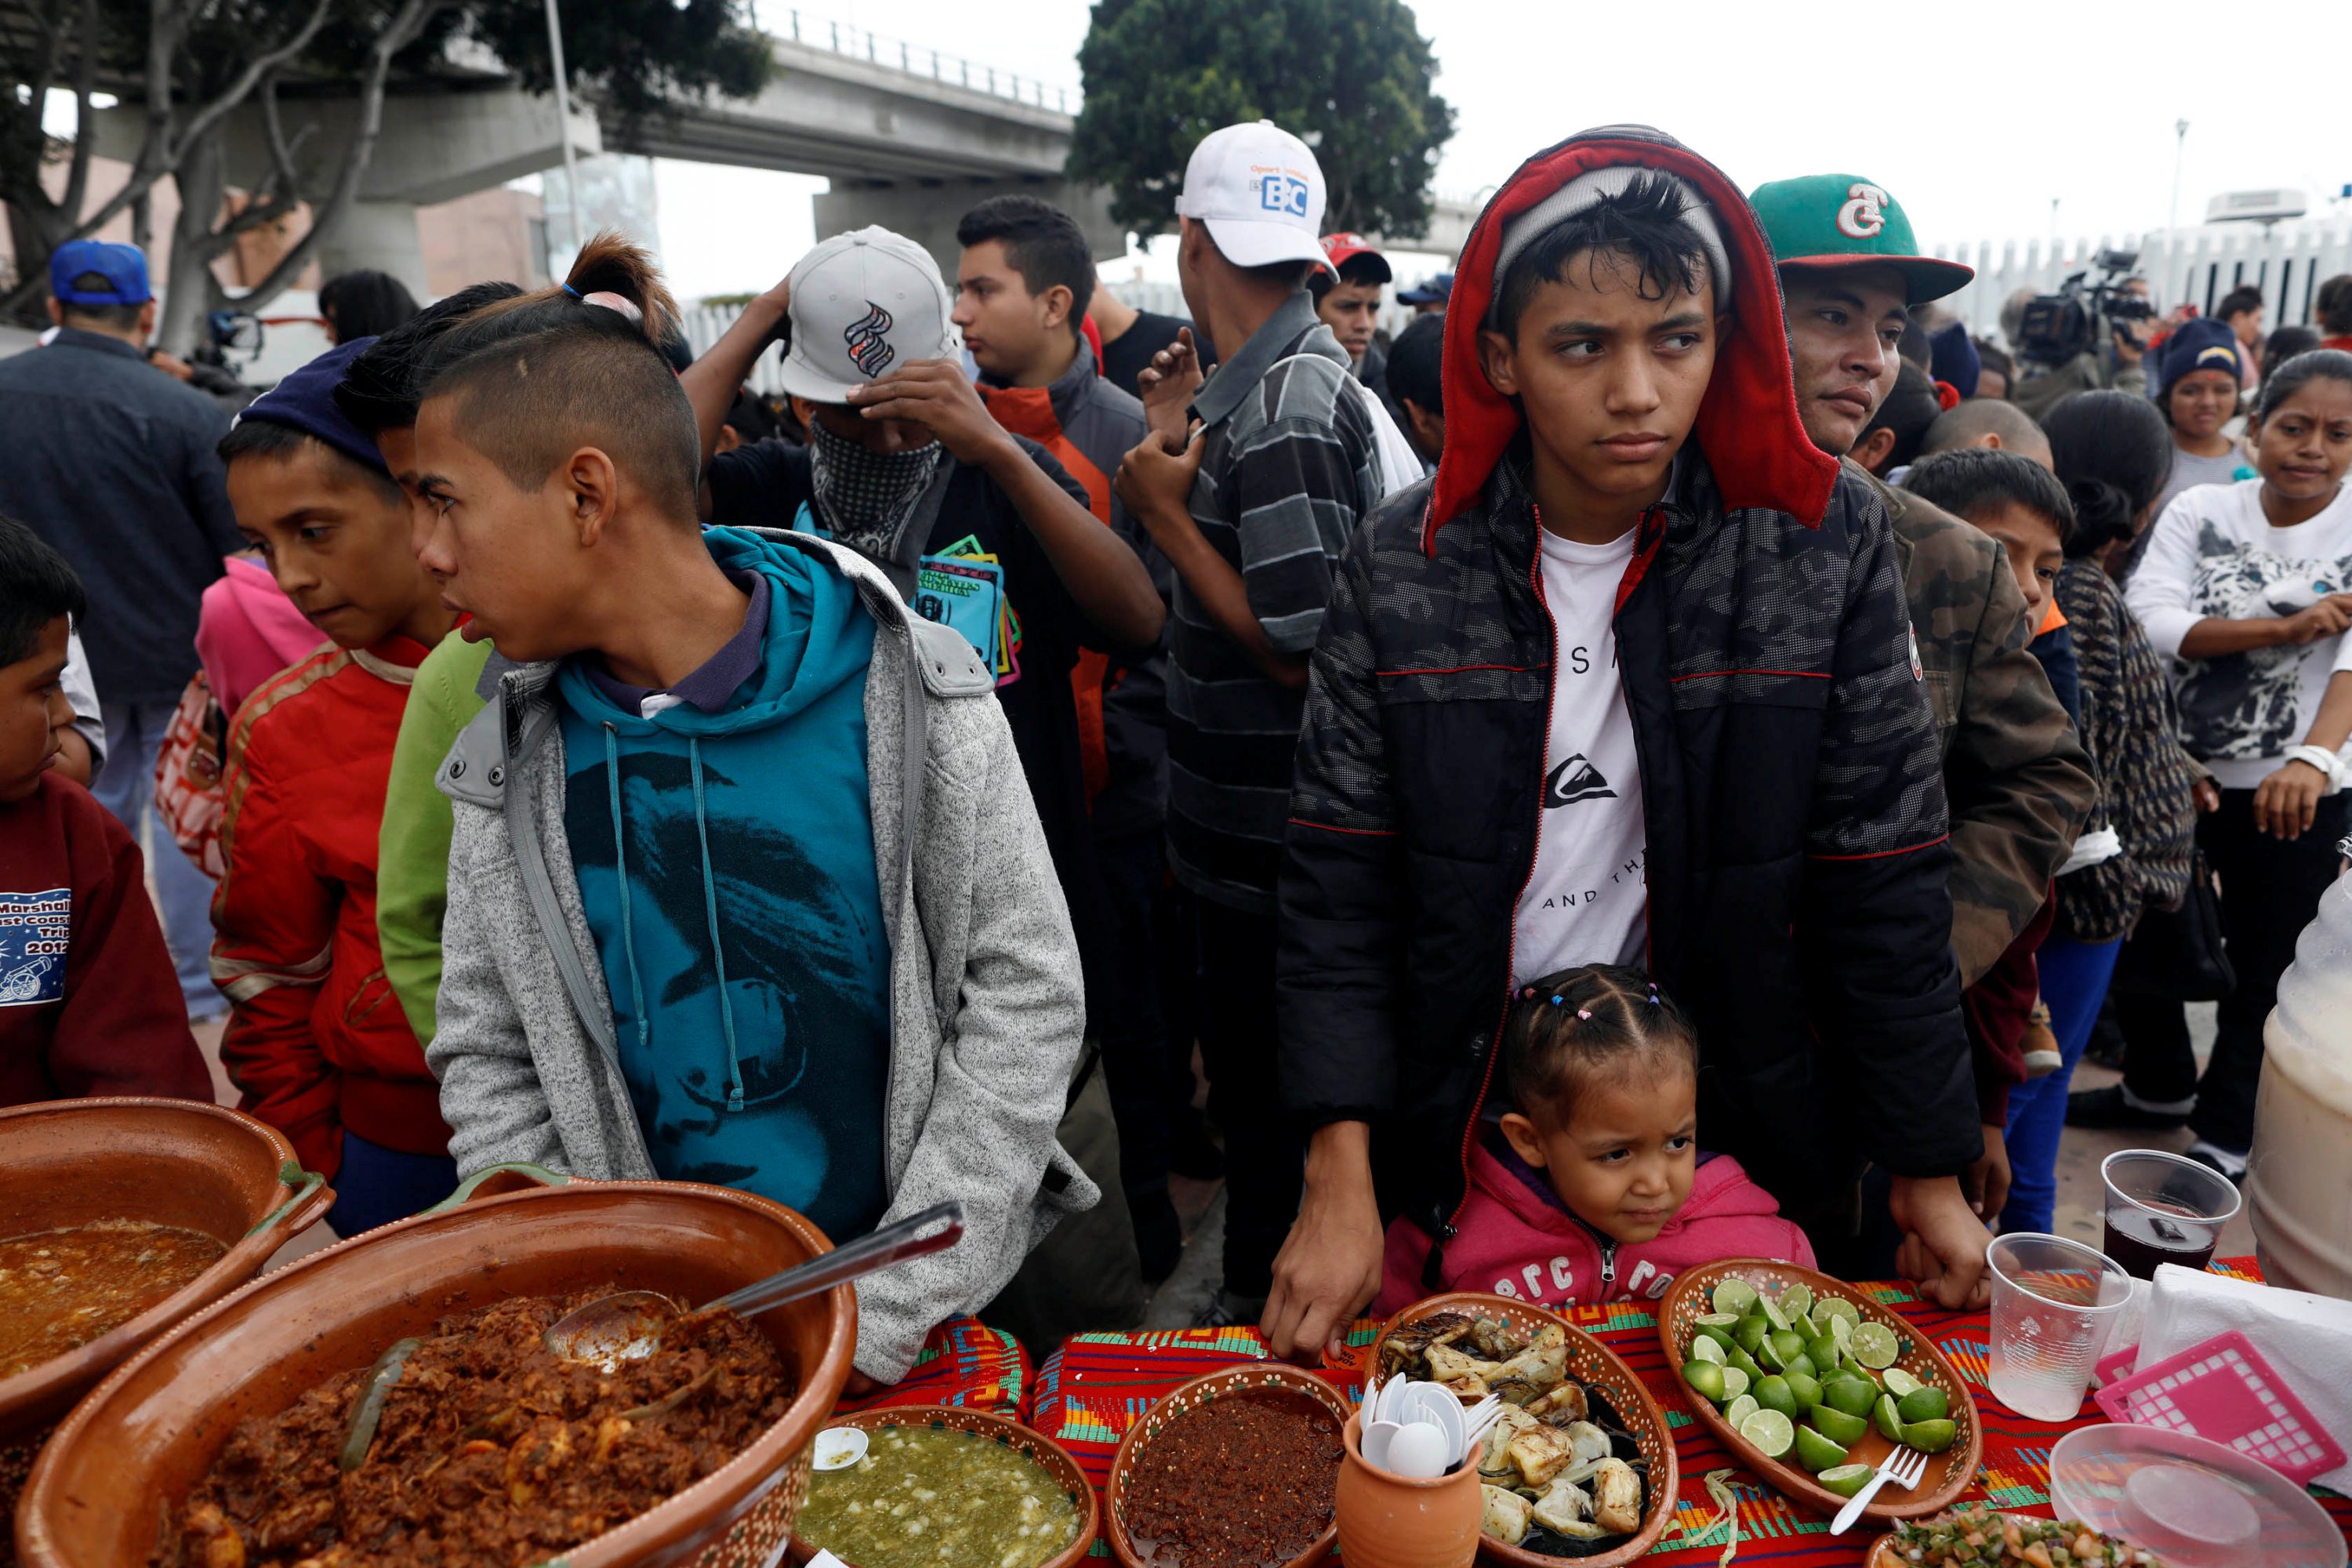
[1815,1452]
[1875,1346]
[1704,1349]
[1930,1436]
[1830,1307]
[1773,1394]
[1717,1320]
[1850,1394]
[1735,1383]
[1839,1427]
[1774,1316]
[1768,1354]
[1705,1379]
[1740,1409]
[1750,1332]
[1798,1365]
[1889,1423]
[1807,1390]
[1846,1480]
[1744,1361]
[1841,1331]
[1923,1405]
[1710,1332]
[1771,1433]
[1797,1301]
[1733,1296]
[1899,1383]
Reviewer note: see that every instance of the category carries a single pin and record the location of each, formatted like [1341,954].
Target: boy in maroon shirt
[89,1001]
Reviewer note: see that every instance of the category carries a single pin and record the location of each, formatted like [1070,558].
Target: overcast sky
[1975,117]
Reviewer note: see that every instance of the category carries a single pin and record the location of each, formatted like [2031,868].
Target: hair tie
[568,288]
[1654,994]
[1582,1014]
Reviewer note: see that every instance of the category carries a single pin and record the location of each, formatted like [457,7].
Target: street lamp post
[2180,152]
[563,122]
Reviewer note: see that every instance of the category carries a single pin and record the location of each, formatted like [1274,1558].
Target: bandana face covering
[866,495]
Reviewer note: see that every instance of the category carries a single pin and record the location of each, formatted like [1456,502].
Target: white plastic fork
[1904,1467]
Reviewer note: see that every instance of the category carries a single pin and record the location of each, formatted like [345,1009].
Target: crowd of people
[1676,753]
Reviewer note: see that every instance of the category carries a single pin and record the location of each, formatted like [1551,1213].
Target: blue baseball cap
[1437,291]
[123,266]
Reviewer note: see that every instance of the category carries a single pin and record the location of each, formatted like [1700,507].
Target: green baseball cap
[1845,220]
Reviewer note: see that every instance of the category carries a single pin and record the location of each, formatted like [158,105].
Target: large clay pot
[171,1161]
[1391,1522]
[136,1446]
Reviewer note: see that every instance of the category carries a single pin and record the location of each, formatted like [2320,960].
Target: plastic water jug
[2299,1189]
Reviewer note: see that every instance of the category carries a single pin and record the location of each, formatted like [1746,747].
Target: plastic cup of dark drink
[2162,1208]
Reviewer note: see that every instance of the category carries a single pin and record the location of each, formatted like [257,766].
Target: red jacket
[316,1041]
[88,1001]
[1515,1241]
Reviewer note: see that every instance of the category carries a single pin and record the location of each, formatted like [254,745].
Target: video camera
[2061,327]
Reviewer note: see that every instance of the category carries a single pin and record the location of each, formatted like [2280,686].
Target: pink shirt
[248,631]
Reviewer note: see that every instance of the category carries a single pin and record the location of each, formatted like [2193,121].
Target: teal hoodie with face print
[725,852]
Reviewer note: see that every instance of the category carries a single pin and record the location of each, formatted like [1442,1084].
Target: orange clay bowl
[1190,1396]
[1048,1455]
[170,1162]
[134,1448]
[1592,1363]
[1950,1473]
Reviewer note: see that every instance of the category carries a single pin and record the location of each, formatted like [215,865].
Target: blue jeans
[2074,977]
[377,1185]
[134,734]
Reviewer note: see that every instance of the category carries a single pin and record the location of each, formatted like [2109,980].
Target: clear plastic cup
[2162,1208]
[2054,1304]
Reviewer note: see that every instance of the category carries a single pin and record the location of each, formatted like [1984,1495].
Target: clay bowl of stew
[178,1163]
[138,1446]
[1289,1389]
[1600,1371]
[1060,1477]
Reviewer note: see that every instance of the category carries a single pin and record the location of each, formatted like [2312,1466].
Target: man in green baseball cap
[2016,781]
[1850,269]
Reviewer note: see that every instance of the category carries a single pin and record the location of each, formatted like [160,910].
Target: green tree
[1353,78]
[189,65]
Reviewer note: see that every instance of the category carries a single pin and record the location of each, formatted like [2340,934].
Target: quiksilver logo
[869,351]
[1574,780]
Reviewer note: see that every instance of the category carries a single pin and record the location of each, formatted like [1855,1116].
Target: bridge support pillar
[928,212]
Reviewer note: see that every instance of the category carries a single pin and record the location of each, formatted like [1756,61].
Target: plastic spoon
[629,1324]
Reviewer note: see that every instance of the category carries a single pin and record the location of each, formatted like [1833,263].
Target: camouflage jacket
[2018,781]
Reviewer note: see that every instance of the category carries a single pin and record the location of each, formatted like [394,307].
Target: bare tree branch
[85,136]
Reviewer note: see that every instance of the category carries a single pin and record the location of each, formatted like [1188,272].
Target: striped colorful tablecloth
[1098,1385]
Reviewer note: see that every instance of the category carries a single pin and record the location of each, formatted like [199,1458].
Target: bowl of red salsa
[1236,1469]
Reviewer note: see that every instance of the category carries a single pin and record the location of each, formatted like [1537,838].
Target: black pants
[1147,1055]
[2270,891]
[1265,1149]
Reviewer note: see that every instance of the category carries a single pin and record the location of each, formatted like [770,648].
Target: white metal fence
[2286,262]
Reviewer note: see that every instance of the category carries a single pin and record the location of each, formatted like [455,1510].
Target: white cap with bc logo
[1260,191]
[864,303]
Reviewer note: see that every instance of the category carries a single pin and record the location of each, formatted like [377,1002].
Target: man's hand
[1986,1182]
[1943,1243]
[2131,341]
[2327,618]
[2287,802]
[1330,1267]
[1156,479]
[1167,383]
[934,394]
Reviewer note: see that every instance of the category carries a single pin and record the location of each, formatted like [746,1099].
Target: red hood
[1748,427]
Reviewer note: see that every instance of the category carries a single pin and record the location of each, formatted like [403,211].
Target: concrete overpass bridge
[909,137]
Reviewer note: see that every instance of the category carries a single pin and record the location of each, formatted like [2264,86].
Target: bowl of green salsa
[942,1486]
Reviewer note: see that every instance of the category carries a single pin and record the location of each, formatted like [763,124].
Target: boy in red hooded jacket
[316,1039]
[1630,678]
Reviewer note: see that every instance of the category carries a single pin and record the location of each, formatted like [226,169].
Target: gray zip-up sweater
[987,1006]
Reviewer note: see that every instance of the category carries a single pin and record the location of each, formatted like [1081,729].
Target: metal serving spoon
[629,1325]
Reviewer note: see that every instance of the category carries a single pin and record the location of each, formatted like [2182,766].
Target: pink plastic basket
[2224,1392]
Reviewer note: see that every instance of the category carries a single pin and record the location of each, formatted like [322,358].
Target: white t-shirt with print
[1588,900]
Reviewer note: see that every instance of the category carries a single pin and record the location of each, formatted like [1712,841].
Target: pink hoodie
[1515,1241]
[248,631]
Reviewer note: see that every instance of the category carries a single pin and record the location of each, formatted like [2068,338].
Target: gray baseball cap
[861,304]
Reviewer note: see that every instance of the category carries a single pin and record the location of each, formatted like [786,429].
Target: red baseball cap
[1345,245]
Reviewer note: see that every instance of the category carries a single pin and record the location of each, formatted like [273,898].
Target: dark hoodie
[1791,780]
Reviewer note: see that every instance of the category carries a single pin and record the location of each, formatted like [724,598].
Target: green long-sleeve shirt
[412,870]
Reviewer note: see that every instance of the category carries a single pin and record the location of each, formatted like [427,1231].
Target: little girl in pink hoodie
[1591,1188]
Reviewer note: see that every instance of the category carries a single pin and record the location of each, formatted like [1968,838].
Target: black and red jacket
[1790,776]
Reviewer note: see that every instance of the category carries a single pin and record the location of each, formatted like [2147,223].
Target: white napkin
[2306,1339]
